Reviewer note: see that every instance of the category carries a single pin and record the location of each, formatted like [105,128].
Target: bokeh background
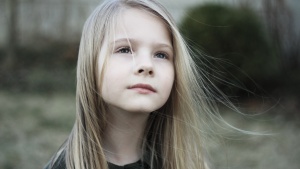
[250,49]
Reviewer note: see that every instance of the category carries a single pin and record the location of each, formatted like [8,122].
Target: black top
[137,165]
[61,164]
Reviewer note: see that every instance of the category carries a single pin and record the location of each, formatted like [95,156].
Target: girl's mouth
[143,88]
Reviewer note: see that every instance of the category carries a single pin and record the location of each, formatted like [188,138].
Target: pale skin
[137,81]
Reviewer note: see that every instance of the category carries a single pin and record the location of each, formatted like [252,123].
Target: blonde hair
[174,134]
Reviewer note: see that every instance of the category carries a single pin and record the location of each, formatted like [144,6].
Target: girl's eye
[161,56]
[124,50]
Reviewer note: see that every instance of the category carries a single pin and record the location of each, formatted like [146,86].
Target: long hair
[174,134]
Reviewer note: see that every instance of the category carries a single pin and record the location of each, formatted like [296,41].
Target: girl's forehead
[135,21]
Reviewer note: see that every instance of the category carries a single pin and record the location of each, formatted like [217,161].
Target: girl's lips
[142,87]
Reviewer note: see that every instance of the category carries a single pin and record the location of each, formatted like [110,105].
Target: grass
[33,126]
[280,149]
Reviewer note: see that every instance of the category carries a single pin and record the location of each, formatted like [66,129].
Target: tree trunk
[12,35]
[65,20]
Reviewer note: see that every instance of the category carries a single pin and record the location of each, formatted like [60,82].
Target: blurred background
[250,49]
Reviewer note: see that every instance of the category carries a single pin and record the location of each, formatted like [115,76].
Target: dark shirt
[61,164]
[137,165]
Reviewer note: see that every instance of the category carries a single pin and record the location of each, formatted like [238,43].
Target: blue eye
[161,56]
[124,50]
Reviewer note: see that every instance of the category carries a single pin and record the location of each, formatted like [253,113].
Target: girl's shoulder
[57,162]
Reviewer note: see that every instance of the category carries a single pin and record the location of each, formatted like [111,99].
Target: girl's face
[139,74]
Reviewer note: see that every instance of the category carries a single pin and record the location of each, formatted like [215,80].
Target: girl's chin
[140,110]
[147,109]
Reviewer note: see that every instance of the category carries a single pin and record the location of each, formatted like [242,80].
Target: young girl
[140,101]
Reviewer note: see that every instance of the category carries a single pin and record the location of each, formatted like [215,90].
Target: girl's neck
[123,136]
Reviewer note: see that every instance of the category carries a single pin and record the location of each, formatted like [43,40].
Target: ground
[33,126]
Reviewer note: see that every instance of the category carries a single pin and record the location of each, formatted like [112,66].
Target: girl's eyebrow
[134,41]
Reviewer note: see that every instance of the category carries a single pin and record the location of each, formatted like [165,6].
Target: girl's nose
[144,66]
[146,71]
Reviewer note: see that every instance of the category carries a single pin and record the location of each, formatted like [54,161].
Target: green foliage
[236,37]
[41,69]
